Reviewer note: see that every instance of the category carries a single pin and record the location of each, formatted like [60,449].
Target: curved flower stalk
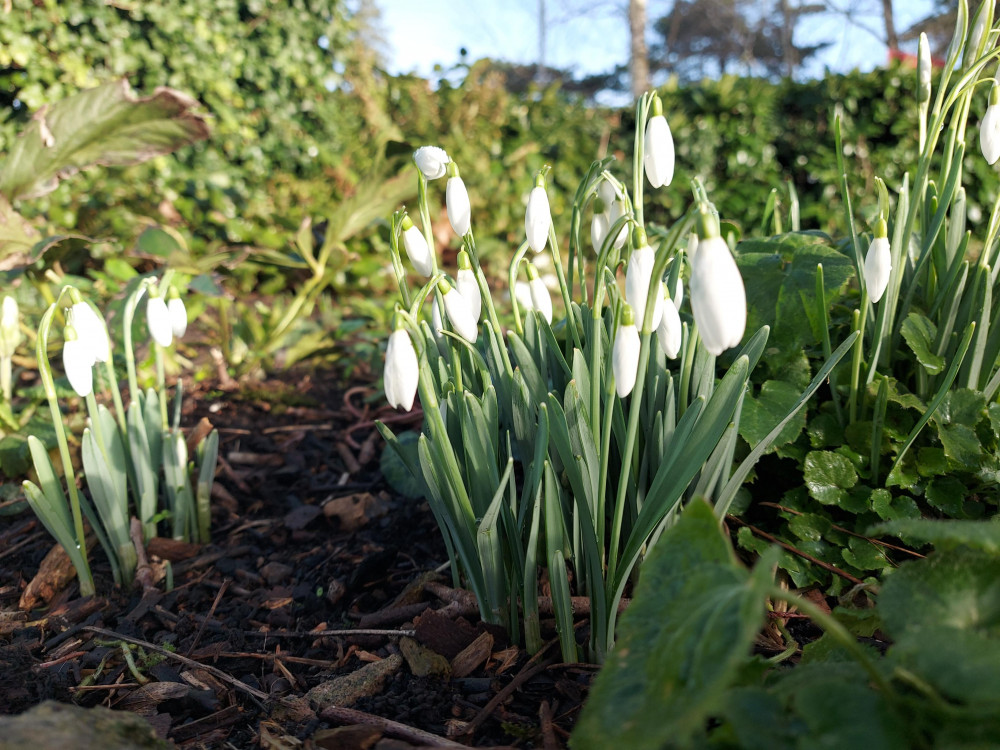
[878,263]
[541,300]
[417,249]
[638,277]
[467,285]
[625,353]
[432,161]
[658,159]
[538,216]
[457,202]
[401,374]
[718,297]
[989,128]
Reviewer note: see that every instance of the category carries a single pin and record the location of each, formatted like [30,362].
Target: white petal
[658,158]
[91,329]
[537,219]
[158,320]
[668,333]
[625,359]
[989,134]
[637,278]
[417,250]
[878,265]
[432,161]
[437,324]
[616,211]
[522,293]
[9,316]
[78,362]
[718,297]
[460,315]
[541,300]
[402,371]
[459,211]
[607,192]
[178,316]
[467,286]
[599,230]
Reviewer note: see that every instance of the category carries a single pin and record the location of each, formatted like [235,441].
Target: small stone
[275,572]
[52,724]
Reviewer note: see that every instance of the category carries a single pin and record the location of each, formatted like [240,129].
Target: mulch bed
[317,571]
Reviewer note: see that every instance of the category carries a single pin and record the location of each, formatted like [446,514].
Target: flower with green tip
[178,314]
[78,361]
[541,300]
[538,216]
[416,248]
[158,320]
[90,328]
[878,263]
[638,276]
[456,198]
[658,150]
[668,333]
[465,282]
[599,225]
[718,297]
[625,353]
[401,375]
[456,307]
[989,128]
[431,161]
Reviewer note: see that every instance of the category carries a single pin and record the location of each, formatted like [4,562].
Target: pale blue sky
[591,36]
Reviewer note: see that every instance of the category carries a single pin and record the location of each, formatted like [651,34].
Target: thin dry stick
[528,671]
[353,716]
[238,684]
[325,633]
[211,613]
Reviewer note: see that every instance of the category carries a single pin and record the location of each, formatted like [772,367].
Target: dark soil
[310,547]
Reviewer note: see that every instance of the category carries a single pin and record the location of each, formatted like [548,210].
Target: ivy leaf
[828,475]
[919,333]
[761,414]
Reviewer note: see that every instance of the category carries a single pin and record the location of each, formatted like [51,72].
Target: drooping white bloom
[658,157]
[459,313]
[178,315]
[402,373]
[537,217]
[599,226]
[456,198]
[432,161]
[878,265]
[466,284]
[637,278]
[668,333]
[541,300]
[158,321]
[416,248]
[10,327]
[989,128]
[78,361]
[90,329]
[718,297]
[625,354]
[522,293]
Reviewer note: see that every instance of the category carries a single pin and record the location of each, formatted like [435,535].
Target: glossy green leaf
[920,334]
[828,475]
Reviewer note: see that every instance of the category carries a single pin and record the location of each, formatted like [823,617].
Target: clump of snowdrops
[129,454]
[607,398]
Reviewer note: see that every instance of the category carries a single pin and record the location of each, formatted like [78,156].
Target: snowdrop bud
[637,278]
[456,197]
[599,226]
[989,128]
[158,321]
[615,212]
[178,314]
[923,69]
[432,161]
[416,248]
[668,333]
[878,263]
[625,354]
[658,158]
[466,284]
[538,217]
[718,297]
[983,20]
[541,300]
[78,361]
[459,314]
[10,327]
[402,371]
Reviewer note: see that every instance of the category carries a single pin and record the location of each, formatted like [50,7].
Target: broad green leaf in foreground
[687,632]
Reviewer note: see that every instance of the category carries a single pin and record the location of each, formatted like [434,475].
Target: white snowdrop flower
[599,226]
[615,212]
[10,327]
[637,279]
[178,314]
[608,193]
[537,216]
[541,300]
[658,157]
[718,297]
[522,293]
[158,321]
[625,354]
[91,329]
[466,284]
[668,333]
[878,263]
[432,161]
[78,361]
[989,128]
[416,248]
[402,372]
[459,313]
[456,199]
